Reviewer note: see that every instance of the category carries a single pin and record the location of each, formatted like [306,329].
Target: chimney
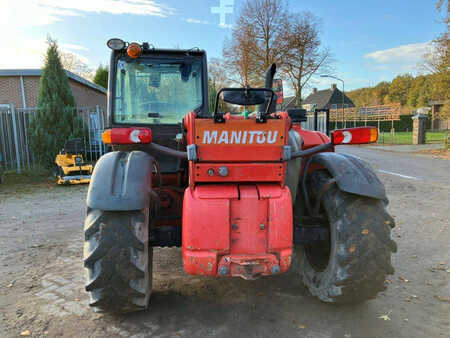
[314,90]
[333,86]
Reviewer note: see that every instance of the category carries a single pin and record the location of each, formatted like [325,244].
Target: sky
[370,40]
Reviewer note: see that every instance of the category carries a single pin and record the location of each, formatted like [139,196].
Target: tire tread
[363,247]
[111,251]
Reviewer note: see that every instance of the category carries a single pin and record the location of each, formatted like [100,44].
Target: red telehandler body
[243,195]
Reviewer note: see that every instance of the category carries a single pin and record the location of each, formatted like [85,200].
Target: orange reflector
[134,50]
[359,135]
[373,135]
[106,136]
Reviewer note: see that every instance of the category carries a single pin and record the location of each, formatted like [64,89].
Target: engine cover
[237,230]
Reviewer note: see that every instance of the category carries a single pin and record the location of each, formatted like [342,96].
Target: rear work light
[127,136]
[116,44]
[359,135]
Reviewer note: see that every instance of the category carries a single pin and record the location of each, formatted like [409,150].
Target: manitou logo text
[240,137]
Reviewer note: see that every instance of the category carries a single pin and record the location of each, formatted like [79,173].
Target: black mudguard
[352,174]
[121,181]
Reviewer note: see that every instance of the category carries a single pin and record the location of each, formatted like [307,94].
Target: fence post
[315,119]
[97,108]
[25,132]
[16,141]
[327,121]
[2,139]
[392,129]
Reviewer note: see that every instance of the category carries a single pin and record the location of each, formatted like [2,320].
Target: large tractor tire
[350,267]
[118,260]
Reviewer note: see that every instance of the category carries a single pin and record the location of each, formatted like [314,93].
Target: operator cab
[156,88]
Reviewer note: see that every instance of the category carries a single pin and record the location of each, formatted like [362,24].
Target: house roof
[38,72]
[325,98]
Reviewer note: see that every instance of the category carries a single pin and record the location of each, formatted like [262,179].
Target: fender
[121,181]
[352,174]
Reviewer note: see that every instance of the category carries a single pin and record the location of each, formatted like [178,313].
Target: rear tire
[352,266]
[118,260]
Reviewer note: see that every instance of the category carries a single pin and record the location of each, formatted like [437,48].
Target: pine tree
[101,76]
[56,120]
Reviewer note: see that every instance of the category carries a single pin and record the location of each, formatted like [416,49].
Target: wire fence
[317,122]
[15,150]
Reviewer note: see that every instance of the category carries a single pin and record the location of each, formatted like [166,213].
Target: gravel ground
[41,274]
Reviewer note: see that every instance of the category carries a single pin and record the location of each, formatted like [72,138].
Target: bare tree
[238,57]
[73,63]
[304,56]
[257,40]
[436,60]
[217,73]
[217,79]
[264,34]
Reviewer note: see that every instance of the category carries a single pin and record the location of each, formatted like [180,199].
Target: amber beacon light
[134,50]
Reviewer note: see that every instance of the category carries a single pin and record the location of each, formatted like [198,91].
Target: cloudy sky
[371,40]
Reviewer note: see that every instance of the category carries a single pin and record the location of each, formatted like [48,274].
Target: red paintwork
[247,154]
[242,223]
[310,138]
[238,172]
[247,228]
[235,153]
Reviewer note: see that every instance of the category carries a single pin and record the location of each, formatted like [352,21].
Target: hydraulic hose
[312,150]
[168,151]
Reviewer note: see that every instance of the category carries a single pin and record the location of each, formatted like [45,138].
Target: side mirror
[244,98]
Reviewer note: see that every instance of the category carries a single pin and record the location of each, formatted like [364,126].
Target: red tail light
[127,136]
[359,135]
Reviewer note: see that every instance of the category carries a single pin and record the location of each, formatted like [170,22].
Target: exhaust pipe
[270,73]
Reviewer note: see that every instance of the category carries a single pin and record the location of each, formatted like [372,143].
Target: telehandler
[243,195]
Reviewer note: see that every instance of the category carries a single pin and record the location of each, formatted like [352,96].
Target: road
[41,274]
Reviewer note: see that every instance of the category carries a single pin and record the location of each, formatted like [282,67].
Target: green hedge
[404,124]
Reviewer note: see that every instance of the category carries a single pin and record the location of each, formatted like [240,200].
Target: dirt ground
[41,274]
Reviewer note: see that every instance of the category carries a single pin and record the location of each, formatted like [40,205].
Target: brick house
[21,88]
[321,99]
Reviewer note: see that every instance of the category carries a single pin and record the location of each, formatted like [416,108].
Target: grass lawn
[26,182]
[15,185]
[406,137]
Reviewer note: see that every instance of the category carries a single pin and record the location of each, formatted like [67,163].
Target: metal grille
[15,150]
